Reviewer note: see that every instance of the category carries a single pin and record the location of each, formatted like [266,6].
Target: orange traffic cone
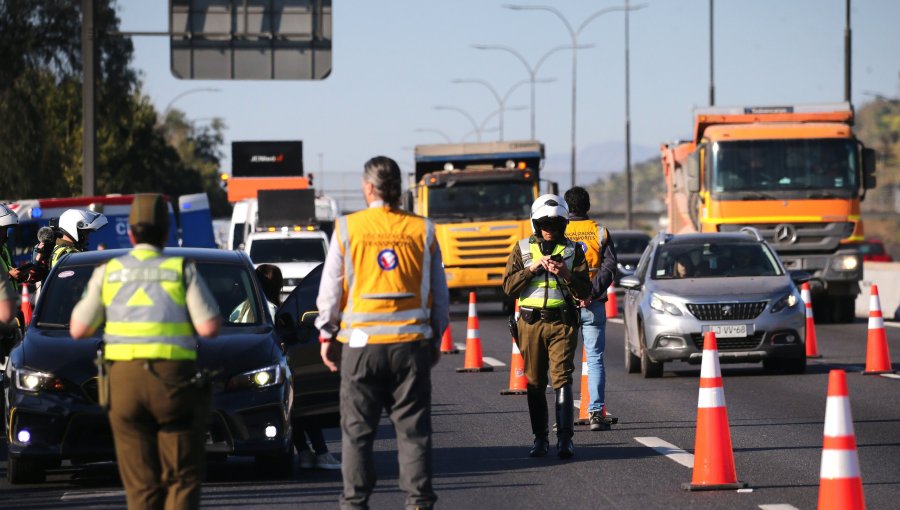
[713,456]
[840,483]
[878,359]
[27,309]
[584,416]
[474,361]
[518,383]
[612,306]
[447,346]
[812,347]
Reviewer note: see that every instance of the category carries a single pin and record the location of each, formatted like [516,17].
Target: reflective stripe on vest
[539,285]
[387,275]
[59,250]
[594,239]
[146,312]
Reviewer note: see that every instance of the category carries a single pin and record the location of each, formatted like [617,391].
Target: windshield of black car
[826,166]
[231,285]
[625,244]
[714,260]
[481,200]
[287,249]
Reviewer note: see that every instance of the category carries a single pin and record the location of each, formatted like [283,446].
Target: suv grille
[731,344]
[726,311]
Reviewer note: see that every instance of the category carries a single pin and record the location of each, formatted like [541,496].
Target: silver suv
[730,283]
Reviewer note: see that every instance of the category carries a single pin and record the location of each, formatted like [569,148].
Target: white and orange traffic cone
[713,455]
[518,383]
[27,308]
[612,305]
[840,483]
[878,359]
[447,346]
[474,361]
[584,416]
[812,346]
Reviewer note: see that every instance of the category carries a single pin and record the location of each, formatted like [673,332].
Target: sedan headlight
[34,381]
[786,302]
[845,263]
[661,305]
[260,378]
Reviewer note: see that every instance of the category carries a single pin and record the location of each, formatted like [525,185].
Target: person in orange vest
[601,257]
[384,298]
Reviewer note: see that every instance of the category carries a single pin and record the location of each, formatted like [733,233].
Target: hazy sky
[394,62]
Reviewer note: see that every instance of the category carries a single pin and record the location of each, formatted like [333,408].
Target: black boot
[537,411]
[565,420]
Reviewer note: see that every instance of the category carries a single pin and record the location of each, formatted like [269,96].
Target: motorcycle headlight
[663,306]
[785,302]
[260,378]
[845,263]
[34,381]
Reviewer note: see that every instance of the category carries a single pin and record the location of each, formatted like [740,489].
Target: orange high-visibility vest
[387,281]
[592,238]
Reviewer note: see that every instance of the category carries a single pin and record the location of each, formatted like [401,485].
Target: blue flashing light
[37,212]
[186,205]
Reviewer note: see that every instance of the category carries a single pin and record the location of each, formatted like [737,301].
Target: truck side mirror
[692,173]
[868,161]
[408,200]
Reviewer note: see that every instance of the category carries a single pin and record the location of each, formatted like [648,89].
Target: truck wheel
[21,470]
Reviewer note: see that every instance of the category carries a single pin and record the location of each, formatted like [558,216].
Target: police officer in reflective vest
[75,226]
[548,273]
[601,257]
[153,307]
[384,297]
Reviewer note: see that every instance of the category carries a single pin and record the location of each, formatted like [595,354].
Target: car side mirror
[624,271]
[630,282]
[800,277]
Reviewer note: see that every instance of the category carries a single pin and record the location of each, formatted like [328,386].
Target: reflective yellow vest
[387,280]
[592,238]
[146,311]
[542,290]
[59,250]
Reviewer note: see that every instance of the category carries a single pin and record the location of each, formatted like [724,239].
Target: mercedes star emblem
[785,234]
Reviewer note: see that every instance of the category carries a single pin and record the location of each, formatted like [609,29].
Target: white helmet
[549,206]
[8,218]
[73,220]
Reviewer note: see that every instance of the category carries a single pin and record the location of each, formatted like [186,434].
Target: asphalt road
[481,441]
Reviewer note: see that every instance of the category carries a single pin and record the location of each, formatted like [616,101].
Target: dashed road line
[778,506]
[669,450]
[460,347]
[892,324]
[616,320]
[493,362]
[891,376]
[74,495]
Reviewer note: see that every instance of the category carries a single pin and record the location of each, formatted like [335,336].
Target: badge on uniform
[387,259]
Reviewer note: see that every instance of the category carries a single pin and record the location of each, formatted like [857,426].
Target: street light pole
[532,70]
[168,107]
[434,130]
[464,114]
[500,101]
[573,33]
[848,36]
[628,218]
[712,82]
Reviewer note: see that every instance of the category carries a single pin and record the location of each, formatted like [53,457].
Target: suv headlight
[785,302]
[661,305]
[34,381]
[260,378]
[845,263]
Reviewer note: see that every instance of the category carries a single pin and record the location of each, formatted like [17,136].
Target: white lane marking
[577,404]
[616,320]
[892,324]
[745,490]
[460,347]
[891,376]
[91,494]
[778,506]
[493,362]
[669,450]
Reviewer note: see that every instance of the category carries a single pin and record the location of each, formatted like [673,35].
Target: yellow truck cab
[795,173]
[479,197]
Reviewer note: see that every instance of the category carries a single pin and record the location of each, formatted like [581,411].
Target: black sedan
[50,384]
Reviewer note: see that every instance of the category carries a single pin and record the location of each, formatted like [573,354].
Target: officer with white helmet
[75,226]
[547,273]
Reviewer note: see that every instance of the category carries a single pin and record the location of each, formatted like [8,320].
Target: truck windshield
[480,200]
[813,168]
[289,249]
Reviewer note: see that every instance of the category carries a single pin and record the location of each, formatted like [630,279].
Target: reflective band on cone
[518,383]
[713,455]
[474,361]
[878,359]
[812,345]
[840,483]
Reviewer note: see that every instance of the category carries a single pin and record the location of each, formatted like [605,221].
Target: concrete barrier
[887,276]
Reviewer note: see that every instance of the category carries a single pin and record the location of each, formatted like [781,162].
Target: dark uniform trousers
[159,427]
[548,345]
[395,377]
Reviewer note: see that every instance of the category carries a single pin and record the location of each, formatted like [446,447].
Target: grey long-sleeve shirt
[331,291]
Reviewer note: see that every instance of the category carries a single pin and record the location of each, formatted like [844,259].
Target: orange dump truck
[795,173]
